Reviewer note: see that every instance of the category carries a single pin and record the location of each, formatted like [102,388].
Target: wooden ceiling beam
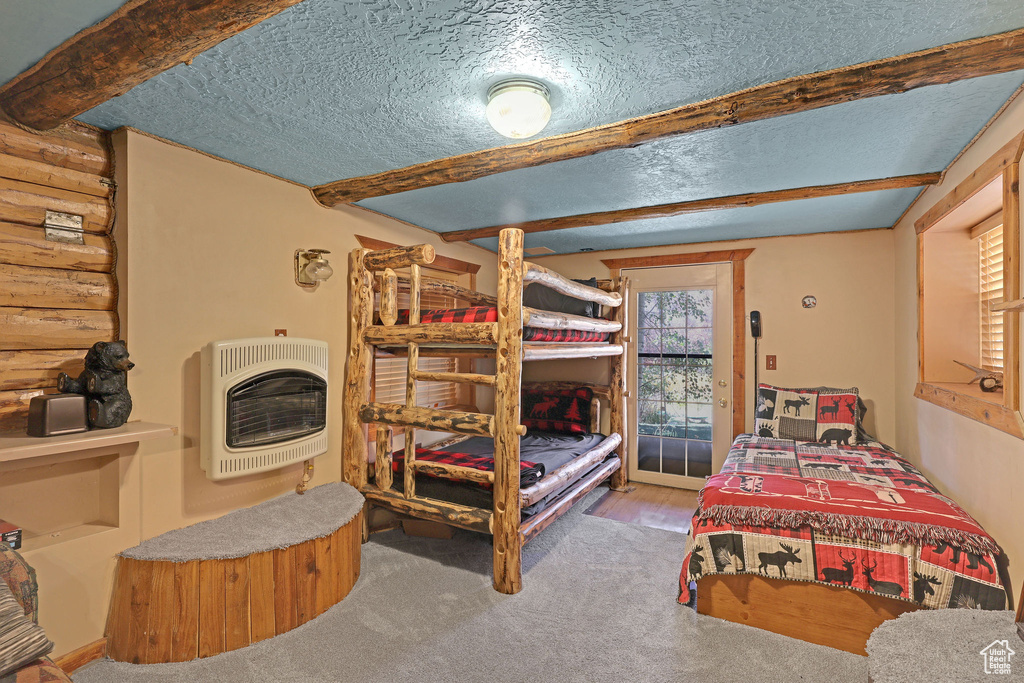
[698,205]
[140,40]
[945,64]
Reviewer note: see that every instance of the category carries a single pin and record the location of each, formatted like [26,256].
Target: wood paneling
[56,299]
[42,173]
[23,245]
[38,369]
[173,612]
[697,206]
[28,203]
[71,146]
[841,618]
[40,328]
[25,286]
[944,64]
[135,43]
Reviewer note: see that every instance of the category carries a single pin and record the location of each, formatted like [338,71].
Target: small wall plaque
[809,301]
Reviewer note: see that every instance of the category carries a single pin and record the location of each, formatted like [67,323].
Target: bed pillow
[838,416]
[862,436]
[539,296]
[786,413]
[21,640]
[566,410]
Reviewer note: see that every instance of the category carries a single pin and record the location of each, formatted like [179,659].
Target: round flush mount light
[518,108]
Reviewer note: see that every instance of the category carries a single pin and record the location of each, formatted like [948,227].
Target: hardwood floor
[660,507]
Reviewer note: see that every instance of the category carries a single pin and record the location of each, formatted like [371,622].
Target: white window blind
[990,251]
[390,373]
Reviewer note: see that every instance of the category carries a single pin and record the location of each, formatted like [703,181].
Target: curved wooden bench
[223,584]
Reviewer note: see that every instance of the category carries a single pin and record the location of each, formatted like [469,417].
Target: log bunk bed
[379,331]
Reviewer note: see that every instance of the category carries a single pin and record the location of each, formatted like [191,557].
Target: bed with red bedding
[489,314]
[857,517]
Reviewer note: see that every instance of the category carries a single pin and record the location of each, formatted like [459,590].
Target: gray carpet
[598,604]
[277,523]
[942,645]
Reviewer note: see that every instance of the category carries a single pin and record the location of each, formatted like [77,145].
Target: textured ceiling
[916,132]
[330,89]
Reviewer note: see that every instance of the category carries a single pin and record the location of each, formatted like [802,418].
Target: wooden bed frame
[812,612]
[502,341]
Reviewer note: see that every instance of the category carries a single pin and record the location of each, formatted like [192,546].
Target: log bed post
[617,382]
[410,381]
[506,520]
[357,369]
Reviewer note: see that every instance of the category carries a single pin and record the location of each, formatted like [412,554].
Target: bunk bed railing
[549,278]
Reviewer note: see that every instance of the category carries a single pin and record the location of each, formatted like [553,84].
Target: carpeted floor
[598,604]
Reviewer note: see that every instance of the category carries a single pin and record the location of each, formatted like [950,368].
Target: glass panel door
[674,406]
[681,329]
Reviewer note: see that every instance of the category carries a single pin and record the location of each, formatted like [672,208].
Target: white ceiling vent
[537,251]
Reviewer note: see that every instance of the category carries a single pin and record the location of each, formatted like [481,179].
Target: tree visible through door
[674,388]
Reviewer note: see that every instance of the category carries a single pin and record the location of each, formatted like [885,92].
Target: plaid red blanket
[855,516]
[489,314]
[529,472]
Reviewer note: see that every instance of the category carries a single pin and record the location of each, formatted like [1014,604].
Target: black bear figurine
[104,383]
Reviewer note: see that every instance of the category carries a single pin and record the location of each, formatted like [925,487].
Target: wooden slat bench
[223,584]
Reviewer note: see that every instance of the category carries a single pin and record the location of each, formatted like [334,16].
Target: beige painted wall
[980,467]
[845,341]
[205,253]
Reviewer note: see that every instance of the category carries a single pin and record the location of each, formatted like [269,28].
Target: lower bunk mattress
[860,517]
[540,453]
[489,314]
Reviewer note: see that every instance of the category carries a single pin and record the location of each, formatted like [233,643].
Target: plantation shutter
[990,249]
[391,373]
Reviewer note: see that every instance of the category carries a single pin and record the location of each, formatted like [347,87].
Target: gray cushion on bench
[277,523]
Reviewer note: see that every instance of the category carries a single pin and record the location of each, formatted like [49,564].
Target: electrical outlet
[770,363]
[280,333]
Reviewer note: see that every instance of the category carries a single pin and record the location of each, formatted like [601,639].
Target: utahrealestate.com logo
[997,657]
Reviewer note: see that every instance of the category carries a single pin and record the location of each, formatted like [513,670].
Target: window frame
[998,410]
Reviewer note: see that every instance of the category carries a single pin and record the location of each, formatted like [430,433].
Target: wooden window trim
[738,259]
[1002,413]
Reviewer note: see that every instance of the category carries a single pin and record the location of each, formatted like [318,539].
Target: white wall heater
[264,404]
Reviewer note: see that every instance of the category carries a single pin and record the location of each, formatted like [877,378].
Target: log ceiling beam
[140,40]
[994,54]
[698,205]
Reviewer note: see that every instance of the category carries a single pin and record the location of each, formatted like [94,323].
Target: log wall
[56,299]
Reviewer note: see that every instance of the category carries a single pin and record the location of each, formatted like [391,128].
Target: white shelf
[19,446]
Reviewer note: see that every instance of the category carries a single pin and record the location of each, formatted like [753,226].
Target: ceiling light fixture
[518,108]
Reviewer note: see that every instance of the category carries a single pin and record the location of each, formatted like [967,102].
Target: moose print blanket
[855,516]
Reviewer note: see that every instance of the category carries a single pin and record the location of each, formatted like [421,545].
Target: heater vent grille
[265,404]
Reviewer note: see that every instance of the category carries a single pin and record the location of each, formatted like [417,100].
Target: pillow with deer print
[786,413]
[838,417]
[564,410]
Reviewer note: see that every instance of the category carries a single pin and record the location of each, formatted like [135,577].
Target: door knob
[723,402]
[722,383]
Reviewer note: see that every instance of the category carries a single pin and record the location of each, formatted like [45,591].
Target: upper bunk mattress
[489,314]
[855,516]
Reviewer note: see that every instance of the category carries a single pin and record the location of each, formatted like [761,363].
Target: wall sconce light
[311,268]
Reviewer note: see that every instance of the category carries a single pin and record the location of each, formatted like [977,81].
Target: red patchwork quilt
[489,314]
[861,517]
